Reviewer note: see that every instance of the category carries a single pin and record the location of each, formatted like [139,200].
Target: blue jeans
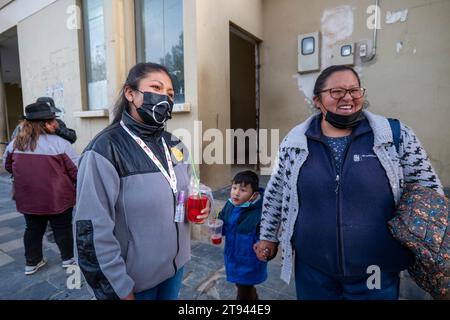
[312,284]
[166,290]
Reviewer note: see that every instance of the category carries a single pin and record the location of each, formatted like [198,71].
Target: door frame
[245,35]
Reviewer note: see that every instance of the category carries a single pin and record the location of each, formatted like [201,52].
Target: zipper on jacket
[338,203]
[178,233]
[338,206]
[337,184]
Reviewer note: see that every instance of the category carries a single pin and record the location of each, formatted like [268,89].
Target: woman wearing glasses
[338,178]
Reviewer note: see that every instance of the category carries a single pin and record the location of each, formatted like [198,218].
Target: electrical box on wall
[364,51]
[343,54]
[308,48]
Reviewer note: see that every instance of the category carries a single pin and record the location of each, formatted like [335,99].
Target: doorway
[11,101]
[244,97]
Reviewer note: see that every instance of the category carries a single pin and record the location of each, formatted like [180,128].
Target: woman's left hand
[205,213]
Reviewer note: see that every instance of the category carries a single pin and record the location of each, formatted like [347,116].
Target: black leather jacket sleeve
[66,133]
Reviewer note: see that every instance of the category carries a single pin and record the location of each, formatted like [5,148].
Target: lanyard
[172,179]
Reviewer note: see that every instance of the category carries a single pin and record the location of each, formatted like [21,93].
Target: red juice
[216,239]
[195,205]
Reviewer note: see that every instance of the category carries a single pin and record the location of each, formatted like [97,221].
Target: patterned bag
[421,223]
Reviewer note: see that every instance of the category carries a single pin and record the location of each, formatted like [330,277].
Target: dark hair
[247,178]
[135,75]
[325,74]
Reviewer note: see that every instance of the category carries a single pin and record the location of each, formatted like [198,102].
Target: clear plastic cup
[215,230]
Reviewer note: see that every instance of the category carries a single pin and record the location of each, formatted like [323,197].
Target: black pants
[35,229]
[245,292]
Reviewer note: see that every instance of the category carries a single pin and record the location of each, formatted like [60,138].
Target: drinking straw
[196,180]
[217,215]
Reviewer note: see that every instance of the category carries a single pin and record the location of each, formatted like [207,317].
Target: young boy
[241,216]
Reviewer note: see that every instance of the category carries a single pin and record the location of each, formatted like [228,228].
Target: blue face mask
[244,205]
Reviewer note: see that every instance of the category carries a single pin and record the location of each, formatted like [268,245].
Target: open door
[244,96]
[11,102]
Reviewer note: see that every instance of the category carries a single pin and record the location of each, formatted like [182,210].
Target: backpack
[395,128]
[422,224]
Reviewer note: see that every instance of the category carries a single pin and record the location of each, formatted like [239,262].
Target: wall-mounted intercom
[309,52]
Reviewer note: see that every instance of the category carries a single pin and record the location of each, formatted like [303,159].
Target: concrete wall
[409,78]
[213,66]
[13,11]
[50,65]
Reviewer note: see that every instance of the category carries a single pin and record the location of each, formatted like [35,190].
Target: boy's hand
[265,250]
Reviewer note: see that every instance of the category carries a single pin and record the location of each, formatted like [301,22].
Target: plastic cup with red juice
[195,205]
[215,230]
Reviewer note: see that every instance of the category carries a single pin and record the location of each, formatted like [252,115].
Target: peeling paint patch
[305,83]
[337,25]
[56,91]
[396,16]
[399,46]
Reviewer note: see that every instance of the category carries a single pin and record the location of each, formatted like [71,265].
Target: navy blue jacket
[241,231]
[341,228]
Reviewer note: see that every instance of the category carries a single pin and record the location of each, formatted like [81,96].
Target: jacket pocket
[244,245]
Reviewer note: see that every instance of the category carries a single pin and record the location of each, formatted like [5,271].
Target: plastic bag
[199,195]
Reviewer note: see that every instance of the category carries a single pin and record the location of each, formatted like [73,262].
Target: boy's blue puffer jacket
[241,231]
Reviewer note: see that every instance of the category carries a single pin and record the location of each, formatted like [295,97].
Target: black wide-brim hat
[49,101]
[39,111]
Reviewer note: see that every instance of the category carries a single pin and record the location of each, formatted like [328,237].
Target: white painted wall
[15,11]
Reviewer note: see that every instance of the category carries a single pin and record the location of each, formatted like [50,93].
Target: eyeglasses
[339,93]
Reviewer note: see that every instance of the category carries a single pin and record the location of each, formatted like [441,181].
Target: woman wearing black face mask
[338,178]
[129,244]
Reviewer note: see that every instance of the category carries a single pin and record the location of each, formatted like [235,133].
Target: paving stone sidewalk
[204,277]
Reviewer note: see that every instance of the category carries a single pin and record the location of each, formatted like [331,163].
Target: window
[346,50]
[308,46]
[159,32]
[95,51]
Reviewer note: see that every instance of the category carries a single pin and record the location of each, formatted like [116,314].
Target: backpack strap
[395,128]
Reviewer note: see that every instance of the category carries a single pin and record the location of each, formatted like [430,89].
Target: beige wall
[213,66]
[50,64]
[412,84]
[13,11]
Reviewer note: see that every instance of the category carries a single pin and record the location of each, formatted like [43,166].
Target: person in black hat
[65,133]
[44,167]
[61,128]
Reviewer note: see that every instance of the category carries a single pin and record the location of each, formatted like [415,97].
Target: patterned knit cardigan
[280,206]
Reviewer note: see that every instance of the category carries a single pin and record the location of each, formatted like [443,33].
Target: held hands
[265,250]
[130,296]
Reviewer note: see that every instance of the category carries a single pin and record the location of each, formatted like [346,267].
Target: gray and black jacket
[126,237]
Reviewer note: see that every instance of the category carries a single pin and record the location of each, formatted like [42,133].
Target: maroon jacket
[44,180]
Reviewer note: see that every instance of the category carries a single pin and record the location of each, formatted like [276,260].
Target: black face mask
[156,109]
[344,122]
